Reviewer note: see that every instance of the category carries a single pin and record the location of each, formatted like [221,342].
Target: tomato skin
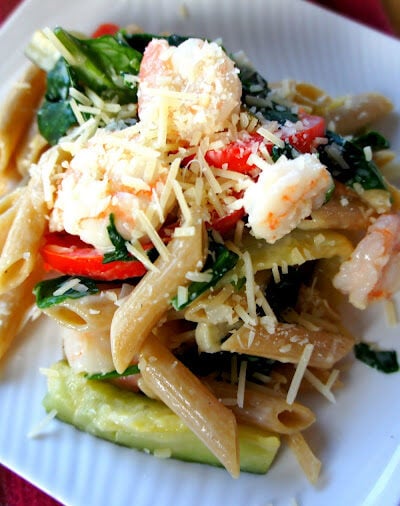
[225,224]
[235,155]
[68,254]
[105,29]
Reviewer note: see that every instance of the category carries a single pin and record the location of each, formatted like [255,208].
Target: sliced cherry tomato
[225,224]
[236,154]
[68,254]
[105,29]
[303,140]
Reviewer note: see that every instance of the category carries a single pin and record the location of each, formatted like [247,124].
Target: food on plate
[193,230]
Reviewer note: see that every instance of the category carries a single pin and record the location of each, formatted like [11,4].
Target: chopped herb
[132,369]
[219,261]
[383,360]
[289,151]
[346,161]
[44,291]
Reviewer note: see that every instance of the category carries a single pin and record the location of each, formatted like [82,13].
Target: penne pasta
[287,343]
[19,254]
[15,305]
[309,463]
[134,320]
[183,393]
[29,149]
[265,408]
[358,111]
[90,313]
[9,204]
[18,112]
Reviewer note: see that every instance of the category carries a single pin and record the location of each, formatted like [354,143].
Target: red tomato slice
[303,140]
[68,254]
[225,224]
[105,29]
[235,155]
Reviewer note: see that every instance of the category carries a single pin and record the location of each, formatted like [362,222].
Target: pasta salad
[194,229]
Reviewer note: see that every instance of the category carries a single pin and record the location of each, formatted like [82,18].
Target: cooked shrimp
[285,193]
[372,272]
[88,351]
[114,172]
[195,84]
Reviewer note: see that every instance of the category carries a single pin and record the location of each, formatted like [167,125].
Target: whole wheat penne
[19,254]
[192,401]
[90,313]
[14,306]
[151,298]
[18,111]
[357,112]
[309,463]
[265,408]
[287,343]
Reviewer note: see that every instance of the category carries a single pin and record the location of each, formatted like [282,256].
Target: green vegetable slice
[383,360]
[136,421]
[47,295]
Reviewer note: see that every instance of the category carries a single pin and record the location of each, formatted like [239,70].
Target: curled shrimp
[194,85]
[373,270]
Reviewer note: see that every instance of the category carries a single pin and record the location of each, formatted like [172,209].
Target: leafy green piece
[283,295]
[288,150]
[132,369]
[55,116]
[346,161]
[256,95]
[219,261]
[139,41]
[101,64]
[120,252]
[44,291]
[383,360]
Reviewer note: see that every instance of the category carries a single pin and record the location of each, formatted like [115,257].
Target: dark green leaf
[101,64]
[44,291]
[346,161]
[55,119]
[132,369]
[120,252]
[139,41]
[219,262]
[383,360]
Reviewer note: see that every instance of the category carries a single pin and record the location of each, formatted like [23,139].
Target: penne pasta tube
[18,111]
[90,313]
[287,343]
[212,422]
[309,463]
[9,204]
[19,254]
[265,408]
[29,149]
[358,111]
[14,307]
[143,308]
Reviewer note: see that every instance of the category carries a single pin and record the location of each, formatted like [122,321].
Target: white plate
[358,438]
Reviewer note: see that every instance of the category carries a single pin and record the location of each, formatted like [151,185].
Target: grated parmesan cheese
[299,373]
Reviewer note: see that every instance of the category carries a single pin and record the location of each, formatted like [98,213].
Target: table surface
[15,491]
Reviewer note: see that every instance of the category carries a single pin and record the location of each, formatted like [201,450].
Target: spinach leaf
[346,161]
[44,291]
[132,369]
[219,261]
[283,295]
[139,41]
[256,95]
[101,64]
[120,252]
[55,116]
[383,360]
